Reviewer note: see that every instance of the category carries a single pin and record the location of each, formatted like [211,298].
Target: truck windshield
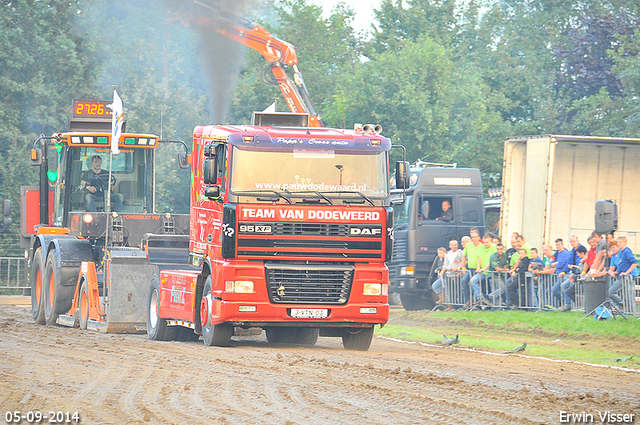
[129,182]
[298,170]
[402,213]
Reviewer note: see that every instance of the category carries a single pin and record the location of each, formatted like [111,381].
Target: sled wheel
[84,305]
[218,335]
[37,289]
[357,338]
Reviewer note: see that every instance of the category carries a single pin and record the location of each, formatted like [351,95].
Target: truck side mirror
[210,174]
[424,209]
[6,212]
[606,217]
[36,157]
[212,192]
[402,175]
[6,207]
[184,160]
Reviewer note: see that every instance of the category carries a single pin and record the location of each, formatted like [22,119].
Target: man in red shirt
[591,255]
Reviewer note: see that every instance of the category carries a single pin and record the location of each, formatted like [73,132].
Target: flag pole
[116,130]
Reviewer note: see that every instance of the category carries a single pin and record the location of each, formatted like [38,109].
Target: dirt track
[118,379]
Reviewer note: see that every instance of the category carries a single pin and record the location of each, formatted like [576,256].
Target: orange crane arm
[276,52]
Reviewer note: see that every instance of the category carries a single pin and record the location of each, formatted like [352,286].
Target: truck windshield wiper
[315,192]
[260,192]
[365,197]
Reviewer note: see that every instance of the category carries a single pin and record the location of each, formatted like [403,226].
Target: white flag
[116,121]
[271,108]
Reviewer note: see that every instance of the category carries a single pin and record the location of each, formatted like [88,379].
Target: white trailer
[551,184]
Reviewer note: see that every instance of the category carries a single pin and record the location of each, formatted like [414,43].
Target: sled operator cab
[90,227]
[80,181]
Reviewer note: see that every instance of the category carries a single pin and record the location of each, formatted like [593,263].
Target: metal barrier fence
[13,275]
[526,291]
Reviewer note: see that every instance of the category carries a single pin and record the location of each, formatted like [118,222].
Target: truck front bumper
[268,314]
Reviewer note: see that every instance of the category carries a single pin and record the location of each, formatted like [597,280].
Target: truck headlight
[239,286]
[406,271]
[375,289]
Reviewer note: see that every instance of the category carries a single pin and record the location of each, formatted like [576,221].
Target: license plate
[309,313]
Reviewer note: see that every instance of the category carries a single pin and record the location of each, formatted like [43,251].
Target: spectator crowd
[488,274]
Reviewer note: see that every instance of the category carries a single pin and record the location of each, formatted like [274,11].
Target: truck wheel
[307,336]
[156,325]
[57,298]
[83,305]
[37,293]
[413,302]
[218,335]
[394,298]
[278,335]
[357,338]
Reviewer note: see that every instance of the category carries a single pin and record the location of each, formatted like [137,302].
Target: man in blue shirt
[561,265]
[574,259]
[626,265]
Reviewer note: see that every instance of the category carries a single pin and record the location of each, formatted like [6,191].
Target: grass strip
[549,334]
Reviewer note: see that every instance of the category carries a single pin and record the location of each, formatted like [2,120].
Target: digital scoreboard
[91,109]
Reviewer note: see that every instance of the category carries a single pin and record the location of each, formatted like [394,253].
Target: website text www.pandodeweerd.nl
[314,186]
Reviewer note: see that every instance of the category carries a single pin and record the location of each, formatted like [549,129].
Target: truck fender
[68,255]
[43,241]
[206,271]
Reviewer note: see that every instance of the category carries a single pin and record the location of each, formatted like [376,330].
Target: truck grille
[315,229]
[310,240]
[399,249]
[307,284]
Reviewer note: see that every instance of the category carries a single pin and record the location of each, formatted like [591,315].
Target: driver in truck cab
[447,212]
[95,183]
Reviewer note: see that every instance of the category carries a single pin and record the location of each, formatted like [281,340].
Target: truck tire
[307,336]
[413,302]
[156,325]
[358,339]
[83,305]
[278,335]
[218,335]
[37,289]
[57,297]
[394,298]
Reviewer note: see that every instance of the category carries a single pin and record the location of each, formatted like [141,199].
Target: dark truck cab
[418,232]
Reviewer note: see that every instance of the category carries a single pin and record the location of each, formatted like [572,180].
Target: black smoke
[221,57]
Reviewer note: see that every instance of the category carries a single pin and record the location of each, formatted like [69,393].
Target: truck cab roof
[303,137]
[443,179]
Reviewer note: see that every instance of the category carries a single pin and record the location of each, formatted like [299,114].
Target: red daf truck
[290,230]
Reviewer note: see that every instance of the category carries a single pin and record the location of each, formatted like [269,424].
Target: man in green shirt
[522,244]
[498,263]
[485,251]
[470,263]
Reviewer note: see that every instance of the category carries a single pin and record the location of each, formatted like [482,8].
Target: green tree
[397,23]
[156,69]
[327,51]
[433,106]
[43,65]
